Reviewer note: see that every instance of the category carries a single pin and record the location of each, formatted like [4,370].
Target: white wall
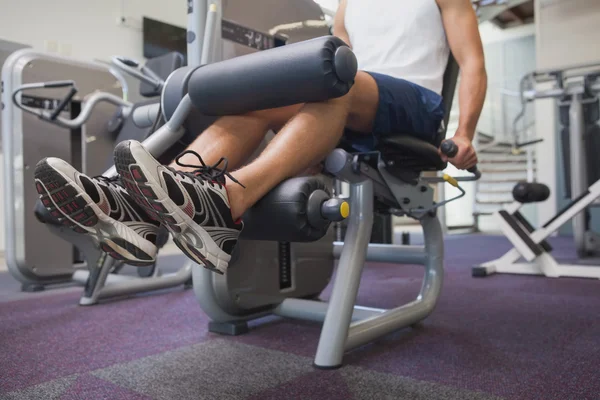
[566,33]
[2,245]
[85,29]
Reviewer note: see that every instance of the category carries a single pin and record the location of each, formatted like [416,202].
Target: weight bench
[301,210]
[530,243]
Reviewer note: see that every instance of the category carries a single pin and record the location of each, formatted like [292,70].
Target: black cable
[14,99]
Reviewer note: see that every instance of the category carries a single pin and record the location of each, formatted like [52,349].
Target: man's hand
[466,157]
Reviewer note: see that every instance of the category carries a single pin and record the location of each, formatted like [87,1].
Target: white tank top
[401,38]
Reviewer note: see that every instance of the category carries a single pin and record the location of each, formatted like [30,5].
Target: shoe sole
[74,209]
[193,240]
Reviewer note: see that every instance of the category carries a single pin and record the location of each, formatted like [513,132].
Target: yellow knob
[450,180]
[345,209]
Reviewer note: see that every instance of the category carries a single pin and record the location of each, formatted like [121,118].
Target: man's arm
[462,31]
[339,27]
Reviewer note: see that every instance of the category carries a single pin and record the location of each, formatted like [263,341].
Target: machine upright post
[197,10]
[578,163]
[345,288]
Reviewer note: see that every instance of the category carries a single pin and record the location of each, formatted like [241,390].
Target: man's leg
[197,208]
[305,141]
[236,137]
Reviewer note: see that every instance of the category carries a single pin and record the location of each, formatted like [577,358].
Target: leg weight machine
[290,219]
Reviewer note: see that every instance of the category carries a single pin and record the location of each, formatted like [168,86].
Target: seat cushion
[408,153]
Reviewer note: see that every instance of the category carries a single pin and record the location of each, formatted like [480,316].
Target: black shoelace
[210,173]
[115,180]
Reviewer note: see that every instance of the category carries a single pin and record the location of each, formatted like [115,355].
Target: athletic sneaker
[193,206]
[98,207]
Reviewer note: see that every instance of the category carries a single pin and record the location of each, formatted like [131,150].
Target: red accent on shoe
[189,210]
[136,173]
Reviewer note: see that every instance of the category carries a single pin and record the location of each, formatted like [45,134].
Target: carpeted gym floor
[501,337]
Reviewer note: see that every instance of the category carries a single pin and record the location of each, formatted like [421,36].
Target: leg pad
[232,328]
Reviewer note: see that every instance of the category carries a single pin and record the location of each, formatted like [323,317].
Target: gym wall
[565,35]
[88,30]
[85,29]
[509,53]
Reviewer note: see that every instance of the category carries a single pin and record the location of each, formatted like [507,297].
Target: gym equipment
[575,89]
[6,49]
[133,121]
[90,267]
[290,223]
[529,243]
[34,256]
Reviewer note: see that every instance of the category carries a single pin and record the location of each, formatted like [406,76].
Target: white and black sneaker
[98,207]
[194,207]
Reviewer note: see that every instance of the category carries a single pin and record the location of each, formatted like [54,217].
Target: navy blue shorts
[405,108]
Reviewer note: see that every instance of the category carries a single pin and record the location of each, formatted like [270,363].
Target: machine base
[326,367]
[233,328]
[32,287]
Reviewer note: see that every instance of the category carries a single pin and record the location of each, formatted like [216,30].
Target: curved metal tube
[89,105]
[85,113]
[143,74]
[364,331]
[204,289]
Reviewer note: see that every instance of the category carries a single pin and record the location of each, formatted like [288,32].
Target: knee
[276,118]
[341,105]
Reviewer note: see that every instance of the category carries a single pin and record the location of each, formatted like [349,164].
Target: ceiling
[506,13]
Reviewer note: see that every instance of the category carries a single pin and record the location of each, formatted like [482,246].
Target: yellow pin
[345,209]
[450,180]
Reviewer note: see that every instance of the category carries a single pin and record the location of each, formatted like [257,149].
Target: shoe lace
[210,173]
[108,179]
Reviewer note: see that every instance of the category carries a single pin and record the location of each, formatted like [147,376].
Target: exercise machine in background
[59,118]
[532,254]
[34,256]
[576,90]
[91,267]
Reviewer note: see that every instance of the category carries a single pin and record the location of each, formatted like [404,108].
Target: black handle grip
[63,104]
[129,62]
[59,84]
[450,149]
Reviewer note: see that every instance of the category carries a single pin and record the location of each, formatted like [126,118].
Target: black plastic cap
[325,367]
[478,272]
[345,64]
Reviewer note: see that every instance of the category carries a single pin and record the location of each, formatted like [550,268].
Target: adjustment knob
[335,210]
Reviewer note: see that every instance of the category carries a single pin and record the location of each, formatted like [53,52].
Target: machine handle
[58,84]
[63,103]
[450,149]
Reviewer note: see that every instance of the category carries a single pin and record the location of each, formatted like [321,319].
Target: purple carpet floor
[500,337]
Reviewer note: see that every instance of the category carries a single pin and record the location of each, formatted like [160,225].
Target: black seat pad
[407,152]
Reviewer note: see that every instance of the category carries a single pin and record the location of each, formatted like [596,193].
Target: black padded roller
[530,192]
[287,213]
[314,70]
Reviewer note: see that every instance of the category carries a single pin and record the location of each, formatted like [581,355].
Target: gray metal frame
[345,326]
[27,139]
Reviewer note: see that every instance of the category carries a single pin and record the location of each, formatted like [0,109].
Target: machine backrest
[448,89]
[161,66]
